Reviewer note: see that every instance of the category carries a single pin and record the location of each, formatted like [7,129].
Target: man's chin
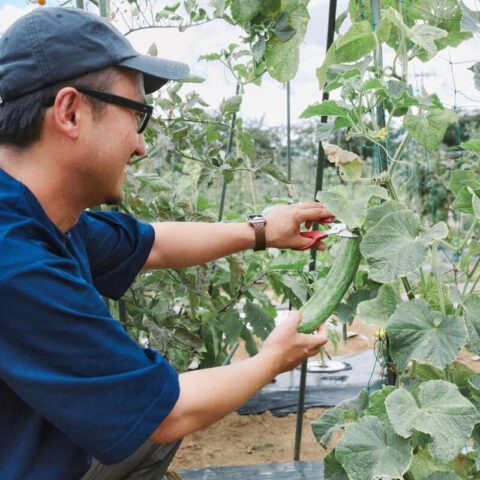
[114,200]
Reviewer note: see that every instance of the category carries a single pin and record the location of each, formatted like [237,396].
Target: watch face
[256,218]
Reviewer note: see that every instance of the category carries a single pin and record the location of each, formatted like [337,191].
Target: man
[72,383]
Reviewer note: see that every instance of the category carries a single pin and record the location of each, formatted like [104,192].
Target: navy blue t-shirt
[72,382]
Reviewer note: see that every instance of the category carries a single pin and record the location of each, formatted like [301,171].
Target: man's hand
[284,221]
[208,394]
[288,348]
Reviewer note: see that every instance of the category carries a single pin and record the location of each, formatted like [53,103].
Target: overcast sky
[269,100]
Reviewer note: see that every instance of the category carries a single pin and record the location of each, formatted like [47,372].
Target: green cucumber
[333,287]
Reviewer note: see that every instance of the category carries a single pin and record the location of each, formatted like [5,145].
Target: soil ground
[246,440]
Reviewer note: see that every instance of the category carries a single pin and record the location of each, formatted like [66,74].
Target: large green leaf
[336,418]
[424,35]
[370,450]
[375,214]
[329,107]
[355,43]
[424,466]
[381,308]
[244,10]
[429,129]
[472,321]
[441,412]
[282,57]
[349,202]
[460,179]
[392,248]
[417,332]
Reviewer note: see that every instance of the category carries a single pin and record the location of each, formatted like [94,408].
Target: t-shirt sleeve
[117,247]
[67,358]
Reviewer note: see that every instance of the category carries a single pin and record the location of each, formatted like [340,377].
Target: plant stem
[469,277]
[475,284]
[460,247]
[438,283]
[398,153]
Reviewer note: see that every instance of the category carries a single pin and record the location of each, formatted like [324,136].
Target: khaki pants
[149,462]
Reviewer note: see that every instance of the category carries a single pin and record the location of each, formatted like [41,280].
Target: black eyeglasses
[144,110]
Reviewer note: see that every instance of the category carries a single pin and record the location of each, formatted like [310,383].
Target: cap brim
[156,71]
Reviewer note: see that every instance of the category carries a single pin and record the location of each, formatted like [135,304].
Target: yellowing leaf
[349,163]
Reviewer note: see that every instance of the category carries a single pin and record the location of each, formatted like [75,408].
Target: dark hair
[21,119]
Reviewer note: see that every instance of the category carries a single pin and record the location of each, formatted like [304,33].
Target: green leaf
[275,172]
[247,145]
[283,30]
[282,57]
[417,332]
[334,419]
[441,412]
[472,146]
[244,10]
[462,178]
[232,325]
[470,20]
[438,232]
[463,201]
[355,43]
[329,107]
[250,345]
[423,466]
[429,129]
[381,308]
[424,35]
[346,310]
[391,247]
[236,272]
[376,403]
[375,214]
[333,469]
[261,321]
[288,262]
[231,105]
[475,68]
[471,307]
[475,203]
[370,450]
[349,202]
[443,476]
[258,48]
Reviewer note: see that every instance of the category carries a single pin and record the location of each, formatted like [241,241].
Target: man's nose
[141,148]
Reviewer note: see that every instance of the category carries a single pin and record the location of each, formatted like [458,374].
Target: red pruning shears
[316,236]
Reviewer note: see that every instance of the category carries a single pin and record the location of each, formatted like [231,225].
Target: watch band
[260,240]
[258,222]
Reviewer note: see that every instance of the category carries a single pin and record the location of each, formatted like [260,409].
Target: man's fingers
[314,214]
[311,204]
[321,246]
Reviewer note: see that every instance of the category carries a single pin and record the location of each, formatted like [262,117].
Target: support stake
[332,13]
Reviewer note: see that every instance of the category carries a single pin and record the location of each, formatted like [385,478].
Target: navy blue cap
[53,44]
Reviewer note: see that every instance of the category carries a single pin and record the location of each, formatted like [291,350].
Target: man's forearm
[208,395]
[184,244]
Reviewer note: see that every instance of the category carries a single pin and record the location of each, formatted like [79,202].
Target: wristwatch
[258,221]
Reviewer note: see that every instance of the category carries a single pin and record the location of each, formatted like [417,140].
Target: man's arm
[208,395]
[184,244]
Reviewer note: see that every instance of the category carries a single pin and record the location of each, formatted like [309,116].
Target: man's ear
[67,111]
